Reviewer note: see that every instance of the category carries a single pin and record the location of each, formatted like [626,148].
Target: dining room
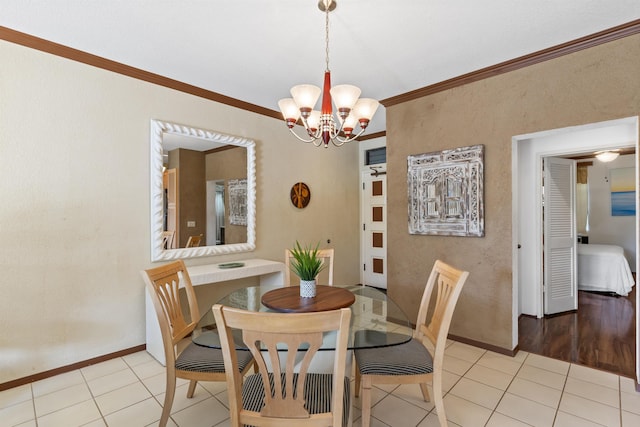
[76,132]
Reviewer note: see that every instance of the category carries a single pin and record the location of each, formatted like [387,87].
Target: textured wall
[192,195]
[593,85]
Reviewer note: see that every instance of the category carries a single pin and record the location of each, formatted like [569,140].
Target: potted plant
[306,264]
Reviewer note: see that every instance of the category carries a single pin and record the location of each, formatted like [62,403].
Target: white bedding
[603,268]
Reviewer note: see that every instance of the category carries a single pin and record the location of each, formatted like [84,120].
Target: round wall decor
[300,195]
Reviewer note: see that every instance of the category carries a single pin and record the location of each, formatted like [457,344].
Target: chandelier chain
[326,28]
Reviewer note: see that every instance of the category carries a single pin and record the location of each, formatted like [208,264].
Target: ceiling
[255,50]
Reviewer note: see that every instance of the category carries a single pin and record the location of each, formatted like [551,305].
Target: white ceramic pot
[307,288]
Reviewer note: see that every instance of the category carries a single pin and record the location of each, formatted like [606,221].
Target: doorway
[215,212]
[528,152]
[373,213]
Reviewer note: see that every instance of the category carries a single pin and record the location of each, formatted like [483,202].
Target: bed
[603,268]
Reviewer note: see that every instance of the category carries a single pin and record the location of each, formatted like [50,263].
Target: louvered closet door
[560,282]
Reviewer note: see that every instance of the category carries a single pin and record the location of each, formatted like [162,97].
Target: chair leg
[356,389]
[437,398]
[192,388]
[425,392]
[170,392]
[366,401]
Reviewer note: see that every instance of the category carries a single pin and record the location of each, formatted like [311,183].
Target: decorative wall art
[623,191]
[300,195]
[238,202]
[446,192]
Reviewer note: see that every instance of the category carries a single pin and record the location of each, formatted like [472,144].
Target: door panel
[560,282]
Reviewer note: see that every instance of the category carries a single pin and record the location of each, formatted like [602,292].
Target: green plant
[306,263]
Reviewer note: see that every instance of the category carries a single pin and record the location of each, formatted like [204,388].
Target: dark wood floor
[601,334]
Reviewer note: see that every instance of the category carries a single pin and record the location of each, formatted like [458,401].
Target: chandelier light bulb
[313,122]
[365,108]
[305,97]
[290,111]
[345,96]
[349,124]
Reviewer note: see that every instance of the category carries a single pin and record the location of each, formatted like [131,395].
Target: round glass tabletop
[376,321]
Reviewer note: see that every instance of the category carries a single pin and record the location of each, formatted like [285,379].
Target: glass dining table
[376,321]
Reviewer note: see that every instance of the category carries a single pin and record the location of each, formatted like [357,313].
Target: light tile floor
[483,389]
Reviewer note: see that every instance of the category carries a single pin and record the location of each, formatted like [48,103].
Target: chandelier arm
[313,139]
[337,131]
[314,135]
[347,139]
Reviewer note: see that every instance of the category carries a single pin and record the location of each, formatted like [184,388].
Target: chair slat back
[267,335]
[194,241]
[327,256]
[167,239]
[283,400]
[164,284]
[447,282]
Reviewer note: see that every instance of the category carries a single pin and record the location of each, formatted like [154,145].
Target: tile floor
[483,389]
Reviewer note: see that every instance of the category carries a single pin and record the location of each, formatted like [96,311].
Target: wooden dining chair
[167,239]
[420,360]
[193,362]
[327,257]
[280,394]
[194,241]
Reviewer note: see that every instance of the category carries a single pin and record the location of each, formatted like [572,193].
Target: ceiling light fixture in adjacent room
[321,127]
[607,156]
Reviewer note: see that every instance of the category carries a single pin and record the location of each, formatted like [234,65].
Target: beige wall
[594,85]
[74,217]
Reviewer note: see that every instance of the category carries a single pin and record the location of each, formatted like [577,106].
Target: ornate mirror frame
[158,253]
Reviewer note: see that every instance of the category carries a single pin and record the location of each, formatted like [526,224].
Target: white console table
[270,273]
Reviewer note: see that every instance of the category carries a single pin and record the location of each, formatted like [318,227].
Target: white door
[170,183]
[560,284]
[374,227]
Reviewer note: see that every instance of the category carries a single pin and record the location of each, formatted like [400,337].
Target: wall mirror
[203,192]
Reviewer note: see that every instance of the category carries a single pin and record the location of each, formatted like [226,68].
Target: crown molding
[47,46]
[596,39]
[372,135]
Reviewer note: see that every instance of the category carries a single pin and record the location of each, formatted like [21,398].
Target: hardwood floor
[601,334]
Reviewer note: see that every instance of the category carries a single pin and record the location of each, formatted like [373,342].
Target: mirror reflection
[204,195]
[204,182]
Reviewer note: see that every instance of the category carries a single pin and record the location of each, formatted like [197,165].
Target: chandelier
[320,125]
